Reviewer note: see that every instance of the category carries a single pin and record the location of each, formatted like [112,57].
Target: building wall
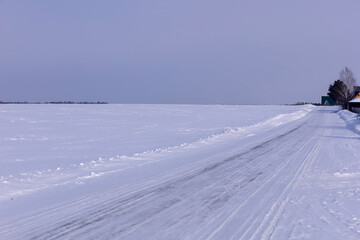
[326,100]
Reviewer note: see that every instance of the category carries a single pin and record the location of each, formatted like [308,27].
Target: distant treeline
[304,103]
[57,102]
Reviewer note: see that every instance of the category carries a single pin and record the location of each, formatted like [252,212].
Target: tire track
[151,201]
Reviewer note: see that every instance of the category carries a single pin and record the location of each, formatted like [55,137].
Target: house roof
[355,100]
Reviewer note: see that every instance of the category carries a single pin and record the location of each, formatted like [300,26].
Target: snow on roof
[355,100]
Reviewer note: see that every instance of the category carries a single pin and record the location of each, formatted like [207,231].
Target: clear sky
[188,51]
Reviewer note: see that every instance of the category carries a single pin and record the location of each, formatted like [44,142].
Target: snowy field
[179,172]
[47,145]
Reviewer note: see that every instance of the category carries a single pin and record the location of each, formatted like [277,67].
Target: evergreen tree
[340,92]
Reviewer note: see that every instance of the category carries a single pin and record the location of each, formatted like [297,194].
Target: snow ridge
[30,182]
[351,119]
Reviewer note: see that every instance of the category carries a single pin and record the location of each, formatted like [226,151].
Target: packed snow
[179,172]
[46,145]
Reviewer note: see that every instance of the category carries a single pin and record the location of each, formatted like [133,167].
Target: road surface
[272,187]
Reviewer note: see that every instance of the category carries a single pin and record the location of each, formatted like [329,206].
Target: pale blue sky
[204,52]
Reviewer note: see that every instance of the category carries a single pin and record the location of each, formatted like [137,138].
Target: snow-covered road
[300,180]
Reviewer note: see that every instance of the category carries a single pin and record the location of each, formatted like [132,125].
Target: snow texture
[179,172]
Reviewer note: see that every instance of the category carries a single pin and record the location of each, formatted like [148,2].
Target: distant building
[357,90]
[354,105]
[327,101]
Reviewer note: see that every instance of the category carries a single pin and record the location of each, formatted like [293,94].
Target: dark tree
[340,92]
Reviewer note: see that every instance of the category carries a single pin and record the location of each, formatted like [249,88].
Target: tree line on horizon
[53,102]
[343,90]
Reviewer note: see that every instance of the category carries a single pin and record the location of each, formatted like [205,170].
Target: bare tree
[348,78]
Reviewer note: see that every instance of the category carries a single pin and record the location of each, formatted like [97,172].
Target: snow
[46,145]
[325,204]
[351,120]
[355,100]
[179,172]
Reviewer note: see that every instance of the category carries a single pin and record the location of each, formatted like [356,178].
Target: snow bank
[45,146]
[351,119]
